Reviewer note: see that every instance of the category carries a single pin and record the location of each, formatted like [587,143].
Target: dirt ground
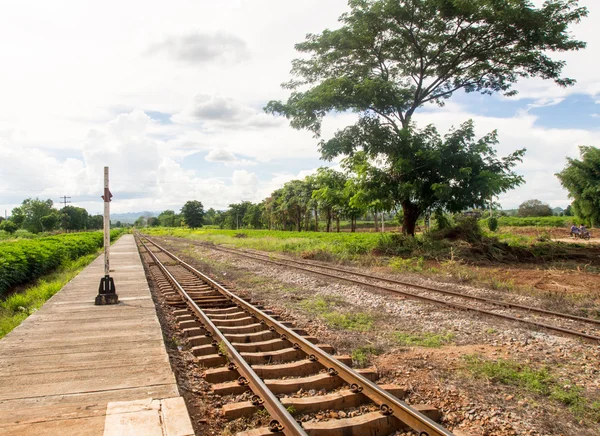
[437,376]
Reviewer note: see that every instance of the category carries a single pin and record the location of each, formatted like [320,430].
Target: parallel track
[310,267]
[224,327]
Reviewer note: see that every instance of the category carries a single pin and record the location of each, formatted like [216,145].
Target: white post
[106,292]
[106,224]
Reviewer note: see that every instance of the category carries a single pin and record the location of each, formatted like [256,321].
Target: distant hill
[130,217]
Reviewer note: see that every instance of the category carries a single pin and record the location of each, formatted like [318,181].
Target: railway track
[585,328]
[249,350]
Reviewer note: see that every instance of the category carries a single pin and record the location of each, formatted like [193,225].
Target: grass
[328,309]
[306,244]
[541,221]
[361,356]
[537,381]
[15,308]
[425,339]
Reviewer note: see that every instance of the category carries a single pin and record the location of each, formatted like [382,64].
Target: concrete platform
[74,368]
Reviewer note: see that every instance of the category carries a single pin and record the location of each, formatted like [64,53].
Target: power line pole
[65,200]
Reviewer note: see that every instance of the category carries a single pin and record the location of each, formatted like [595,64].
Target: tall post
[106,292]
[106,198]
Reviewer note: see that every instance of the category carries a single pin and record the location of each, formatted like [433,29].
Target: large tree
[31,212]
[329,194]
[74,218]
[193,213]
[582,179]
[534,208]
[390,57]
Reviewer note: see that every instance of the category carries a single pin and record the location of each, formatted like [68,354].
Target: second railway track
[585,328]
[247,349]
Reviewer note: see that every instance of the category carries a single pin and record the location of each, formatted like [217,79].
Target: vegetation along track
[586,328]
[246,349]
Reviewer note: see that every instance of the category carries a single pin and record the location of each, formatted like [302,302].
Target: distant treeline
[36,216]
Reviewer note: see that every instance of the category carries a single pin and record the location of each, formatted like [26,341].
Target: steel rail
[420,297]
[389,404]
[499,303]
[282,420]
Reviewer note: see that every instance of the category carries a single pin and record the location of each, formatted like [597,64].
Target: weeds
[326,308]
[407,265]
[537,381]
[425,339]
[361,356]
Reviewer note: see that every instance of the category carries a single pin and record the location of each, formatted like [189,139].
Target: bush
[8,226]
[467,229]
[25,260]
[492,223]
[442,221]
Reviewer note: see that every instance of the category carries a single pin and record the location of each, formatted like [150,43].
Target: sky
[169,95]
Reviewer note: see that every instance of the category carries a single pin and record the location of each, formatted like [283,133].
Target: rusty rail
[498,303]
[421,297]
[389,405]
[282,420]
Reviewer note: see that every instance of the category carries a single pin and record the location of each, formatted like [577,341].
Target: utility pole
[106,292]
[65,200]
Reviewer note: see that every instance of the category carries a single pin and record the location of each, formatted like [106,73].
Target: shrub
[8,226]
[492,223]
[25,260]
[442,221]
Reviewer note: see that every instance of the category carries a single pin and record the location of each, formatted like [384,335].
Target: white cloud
[547,149]
[227,158]
[201,48]
[214,111]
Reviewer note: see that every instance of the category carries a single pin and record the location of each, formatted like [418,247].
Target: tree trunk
[328,221]
[411,215]
[316,220]
[376,221]
[353,225]
[337,218]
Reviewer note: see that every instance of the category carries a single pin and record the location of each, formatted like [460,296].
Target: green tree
[534,208]
[582,179]
[153,222]
[391,57]
[74,218]
[253,216]
[295,200]
[193,213]
[33,210]
[8,226]
[569,210]
[167,218]
[17,216]
[209,217]
[95,222]
[329,194]
[49,222]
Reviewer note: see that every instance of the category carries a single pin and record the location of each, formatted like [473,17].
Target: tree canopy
[193,213]
[390,57]
[582,179]
[534,208]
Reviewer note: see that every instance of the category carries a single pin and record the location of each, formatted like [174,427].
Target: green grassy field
[306,243]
